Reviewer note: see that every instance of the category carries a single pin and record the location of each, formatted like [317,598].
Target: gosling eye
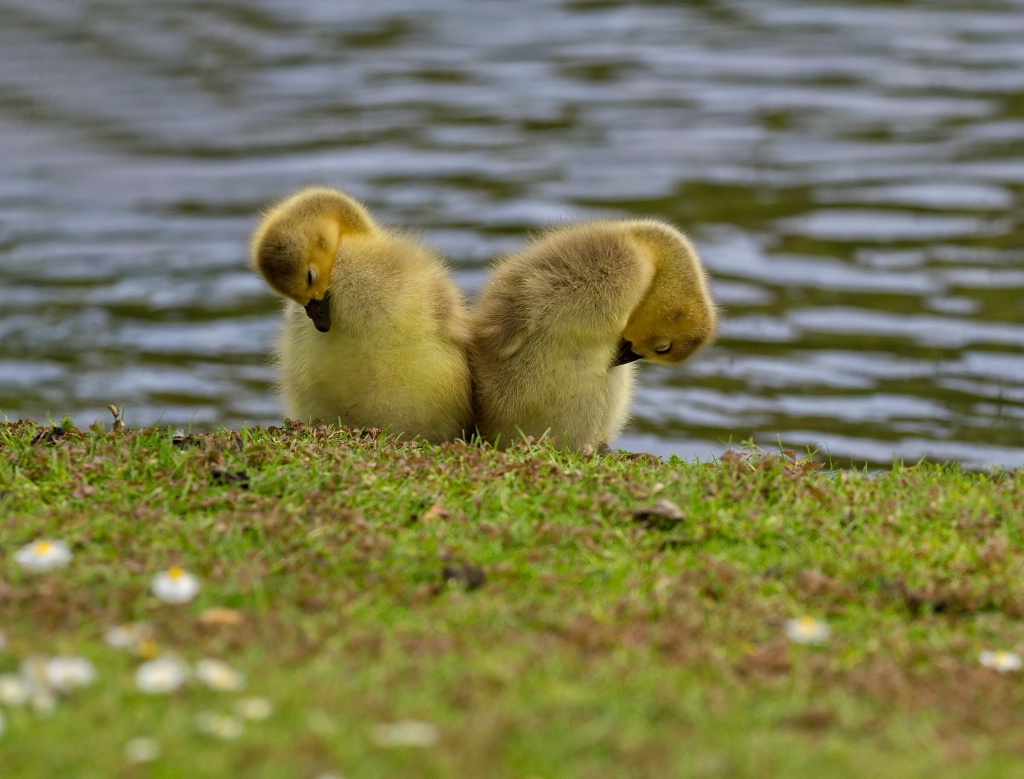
[663,348]
[310,277]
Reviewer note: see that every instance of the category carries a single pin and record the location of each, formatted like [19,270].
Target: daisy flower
[1000,661]
[807,630]
[128,636]
[34,677]
[164,674]
[218,675]
[33,674]
[64,674]
[222,726]
[42,700]
[43,555]
[254,708]
[142,750]
[14,691]
[405,733]
[175,585]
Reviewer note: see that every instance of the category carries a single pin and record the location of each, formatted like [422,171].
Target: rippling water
[852,173]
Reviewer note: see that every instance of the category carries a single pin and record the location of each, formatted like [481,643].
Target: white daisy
[222,726]
[33,675]
[128,636]
[64,674]
[164,674]
[405,733]
[14,691]
[807,630]
[43,555]
[42,700]
[218,675]
[1000,660]
[142,750]
[33,671]
[175,585]
[254,708]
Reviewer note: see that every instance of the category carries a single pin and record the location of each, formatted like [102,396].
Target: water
[852,173]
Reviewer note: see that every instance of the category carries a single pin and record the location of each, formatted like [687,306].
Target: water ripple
[851,173]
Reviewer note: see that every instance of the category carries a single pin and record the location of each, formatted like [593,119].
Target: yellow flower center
[176,573]
[42,547]
[148,649]
[807,623]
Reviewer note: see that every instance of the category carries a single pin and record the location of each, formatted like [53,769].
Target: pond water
[853,174]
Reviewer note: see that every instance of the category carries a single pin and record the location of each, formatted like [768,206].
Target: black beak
[625,355]
[320,312]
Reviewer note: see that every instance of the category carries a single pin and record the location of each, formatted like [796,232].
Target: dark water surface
[853,174]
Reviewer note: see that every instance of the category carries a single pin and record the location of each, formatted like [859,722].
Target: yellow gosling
[393,330]
[559,326]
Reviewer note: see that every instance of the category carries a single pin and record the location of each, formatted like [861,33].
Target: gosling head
[296,244]
[296,258]
[676,316]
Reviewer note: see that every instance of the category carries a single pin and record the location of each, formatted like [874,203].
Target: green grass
[599,645]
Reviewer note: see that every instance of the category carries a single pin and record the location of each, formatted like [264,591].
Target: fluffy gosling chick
[391,351]
[559,326]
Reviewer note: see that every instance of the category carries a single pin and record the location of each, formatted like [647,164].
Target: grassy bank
[516,605]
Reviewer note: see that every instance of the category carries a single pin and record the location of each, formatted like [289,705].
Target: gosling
[391,351]
[558,329]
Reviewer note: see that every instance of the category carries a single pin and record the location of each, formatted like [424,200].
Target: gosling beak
[625,354]
[320,312]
